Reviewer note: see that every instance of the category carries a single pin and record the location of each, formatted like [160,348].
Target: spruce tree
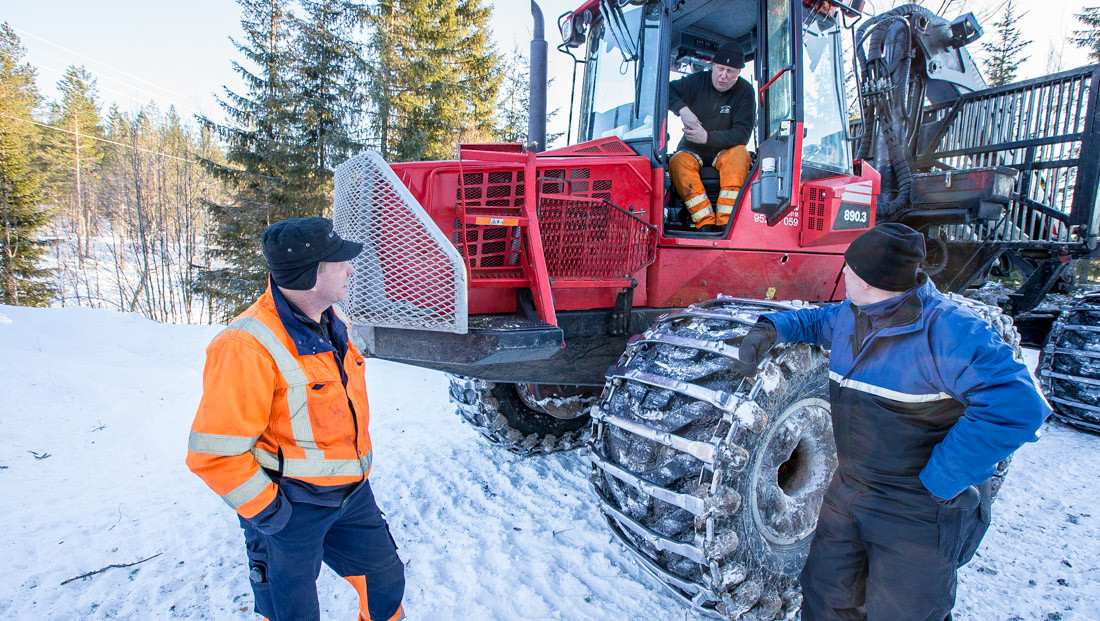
[22,279]
[1004,59]
[72,156]
[514,103]
[264,164]
[435,79]
[329,72]
[1089,36]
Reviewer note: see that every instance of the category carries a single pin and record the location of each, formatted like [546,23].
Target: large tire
[506,414]
[1069,367]
[714,478]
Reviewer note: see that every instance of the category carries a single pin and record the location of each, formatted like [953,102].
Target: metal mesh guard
[593,239]
[409,275]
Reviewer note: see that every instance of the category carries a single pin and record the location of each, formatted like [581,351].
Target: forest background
[152,210]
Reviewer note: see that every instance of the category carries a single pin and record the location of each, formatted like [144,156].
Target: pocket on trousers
[974,527]
[256,550]
[961,531]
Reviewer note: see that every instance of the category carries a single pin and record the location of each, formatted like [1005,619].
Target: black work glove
[757,342]
[967,499]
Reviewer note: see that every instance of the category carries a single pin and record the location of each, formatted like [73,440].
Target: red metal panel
[685,275]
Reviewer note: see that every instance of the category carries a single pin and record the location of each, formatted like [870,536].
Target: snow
[94,416]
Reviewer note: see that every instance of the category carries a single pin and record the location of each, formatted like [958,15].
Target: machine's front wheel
[524,418]
[713,474]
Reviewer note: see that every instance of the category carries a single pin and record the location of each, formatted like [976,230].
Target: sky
[179,53]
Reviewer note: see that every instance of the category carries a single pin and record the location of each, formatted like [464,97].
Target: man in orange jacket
[281,434]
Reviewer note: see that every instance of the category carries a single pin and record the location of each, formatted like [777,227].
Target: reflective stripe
[695,200]
[296,396]
[248,490]
[214,444]
[299,468]
[728,194]
[886,392]
[265,459]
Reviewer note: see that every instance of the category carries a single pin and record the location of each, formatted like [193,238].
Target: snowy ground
[94,412]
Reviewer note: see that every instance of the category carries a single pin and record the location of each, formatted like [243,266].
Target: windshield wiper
[616,23]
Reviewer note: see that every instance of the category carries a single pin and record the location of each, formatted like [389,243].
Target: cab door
[780,124]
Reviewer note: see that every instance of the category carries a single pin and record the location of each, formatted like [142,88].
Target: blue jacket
[932,391]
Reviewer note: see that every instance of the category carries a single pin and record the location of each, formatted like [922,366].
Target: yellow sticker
[770,293]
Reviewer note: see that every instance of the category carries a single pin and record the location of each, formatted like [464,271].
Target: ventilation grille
[815,210]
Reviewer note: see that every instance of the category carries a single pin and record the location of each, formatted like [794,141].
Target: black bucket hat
[294,248]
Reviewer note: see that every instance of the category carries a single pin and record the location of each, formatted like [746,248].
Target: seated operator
[717,108]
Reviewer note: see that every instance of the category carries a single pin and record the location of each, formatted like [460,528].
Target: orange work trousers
[733,166]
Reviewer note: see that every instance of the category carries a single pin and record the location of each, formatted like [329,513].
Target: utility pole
[79,205]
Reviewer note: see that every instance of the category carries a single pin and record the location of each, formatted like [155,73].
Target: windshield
[620,73]
[825,144]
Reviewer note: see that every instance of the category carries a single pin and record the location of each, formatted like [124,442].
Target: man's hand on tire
[756,343]
[965,500]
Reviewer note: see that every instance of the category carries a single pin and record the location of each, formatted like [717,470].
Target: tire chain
[1072,356]
[710,569]
[476,404]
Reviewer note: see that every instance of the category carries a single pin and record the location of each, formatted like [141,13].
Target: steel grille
[608,148]
[815,210]
[409,275]
[1043,129]
[586,238]
[499,188]
[491,246]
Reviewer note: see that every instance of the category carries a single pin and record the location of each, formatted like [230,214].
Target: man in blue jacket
[926,399]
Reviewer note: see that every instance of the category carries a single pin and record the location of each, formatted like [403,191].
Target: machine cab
[632,49]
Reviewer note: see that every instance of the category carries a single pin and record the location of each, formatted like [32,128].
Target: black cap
[294,248]
[730,54]
[887,256]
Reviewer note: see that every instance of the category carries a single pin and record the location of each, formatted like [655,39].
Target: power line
[128,146]
[125,73]
[130,96]
[78,134]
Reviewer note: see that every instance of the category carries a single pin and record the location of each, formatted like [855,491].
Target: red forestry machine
[569,298]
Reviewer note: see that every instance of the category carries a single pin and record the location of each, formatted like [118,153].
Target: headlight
[566,26]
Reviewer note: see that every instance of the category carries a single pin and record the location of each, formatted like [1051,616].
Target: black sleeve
[739,132]
[681,93]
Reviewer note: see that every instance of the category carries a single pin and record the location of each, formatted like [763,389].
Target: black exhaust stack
[536,119]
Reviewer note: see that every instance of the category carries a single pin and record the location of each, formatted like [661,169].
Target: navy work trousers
[887,552]
[353,539]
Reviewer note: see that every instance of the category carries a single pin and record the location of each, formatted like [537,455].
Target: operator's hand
[689,118]
[966,500]
[756,343]
[695,133]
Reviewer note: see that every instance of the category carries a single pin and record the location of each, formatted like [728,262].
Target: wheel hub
[789,479]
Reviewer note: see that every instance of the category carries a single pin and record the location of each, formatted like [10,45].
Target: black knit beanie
[294,248]
[730,54]
[887,256]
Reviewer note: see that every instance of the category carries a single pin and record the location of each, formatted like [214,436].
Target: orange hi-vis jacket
[274,398]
